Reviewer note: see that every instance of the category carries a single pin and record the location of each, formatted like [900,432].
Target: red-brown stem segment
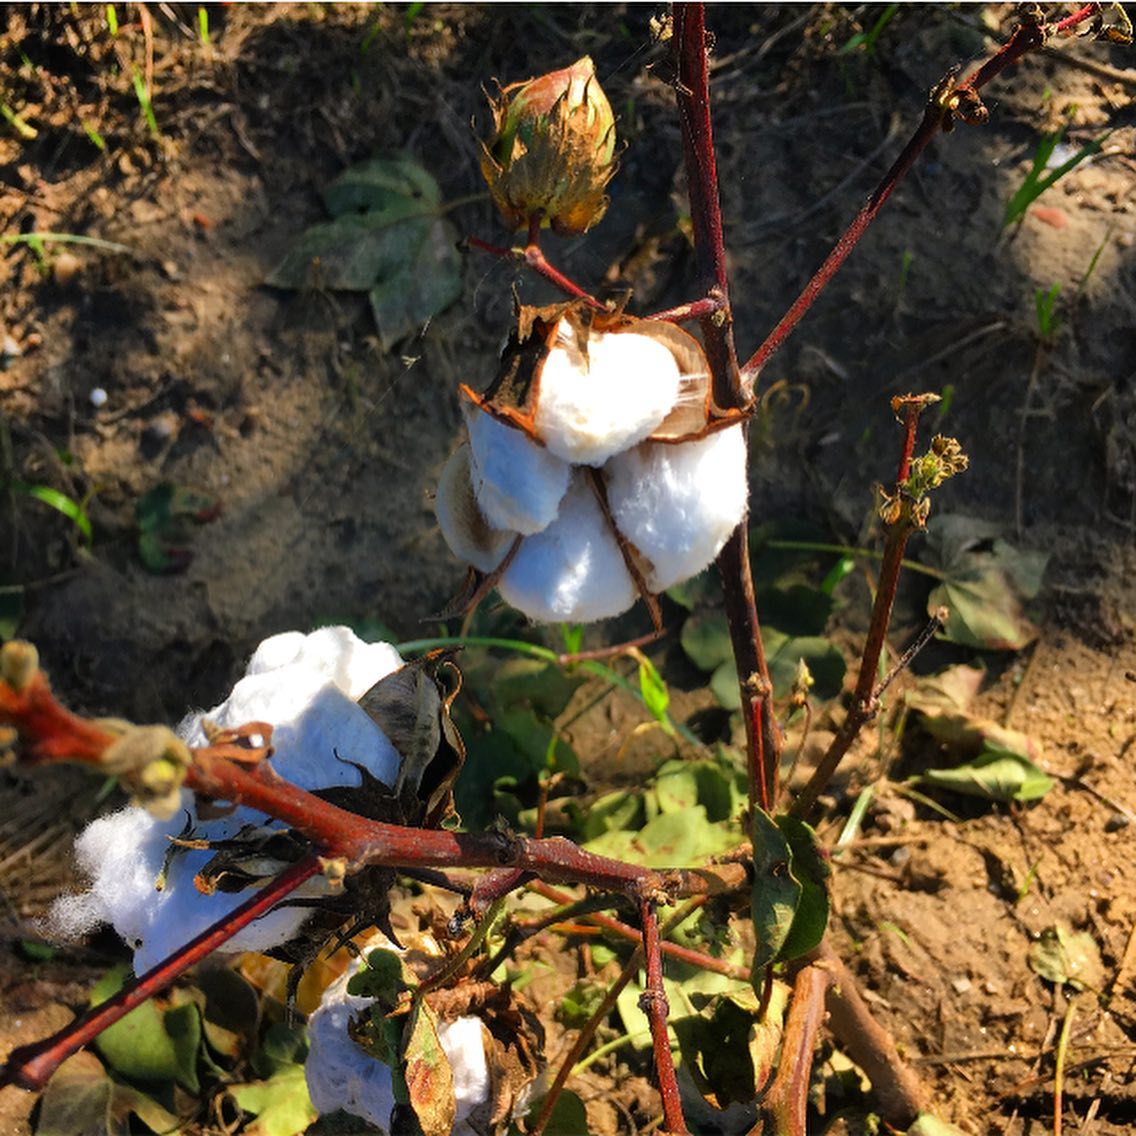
[692,95]
[946,98]
[532,257]
[47,731]
[763,738]
[31,1066]
[864,700]
[671,950]
[653,1002]
[898,1092]
[786,1102]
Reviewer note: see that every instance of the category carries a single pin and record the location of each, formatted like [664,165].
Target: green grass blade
[59,501]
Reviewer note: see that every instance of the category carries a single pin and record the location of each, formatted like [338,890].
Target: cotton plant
[344,1072]
[307,687]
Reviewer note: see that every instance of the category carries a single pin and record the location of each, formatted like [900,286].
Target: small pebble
[1116,822]
[961,985]
[98,397]
[65,268]
[11,349]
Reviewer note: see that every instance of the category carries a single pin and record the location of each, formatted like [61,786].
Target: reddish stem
[896,1087]
[671,950]
[653,1002]
[864,699]
[786,1102]
[31,1066]
[945,99]
[532,257]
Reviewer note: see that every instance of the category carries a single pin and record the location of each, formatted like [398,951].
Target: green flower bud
[553,150]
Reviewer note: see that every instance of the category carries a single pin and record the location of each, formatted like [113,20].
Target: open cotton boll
[572,572]
[596,402]
[336,652]
[519,484]
[678,504]
[343,1075]
[464,527]
[314,720]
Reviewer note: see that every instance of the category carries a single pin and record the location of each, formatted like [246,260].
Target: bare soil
[323,447]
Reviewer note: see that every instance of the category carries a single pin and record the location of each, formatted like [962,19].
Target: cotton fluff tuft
[305,687]
[573,570]
[596,401]
[678,504]
[343,1075]
[519,484]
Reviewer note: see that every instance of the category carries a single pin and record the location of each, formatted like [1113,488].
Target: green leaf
[60,502]
[427,283]
[656,696]
[795,609]
[995,775]
[387,188]
[542,686]
[668,840]
[985,581]
[825,663]
[724,685]
[281,1104]
[81,1099]
[775,895]
[387,238]
[810,868]
[618,810]
[706,640]
[569,1116]
[1063,956]
[149,1043]
[232,1009]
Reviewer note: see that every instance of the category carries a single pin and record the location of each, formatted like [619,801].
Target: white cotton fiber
[596,403]
[295,688]
[464,527]
[343,1075]
[519,484]
[572,572]
[678,504]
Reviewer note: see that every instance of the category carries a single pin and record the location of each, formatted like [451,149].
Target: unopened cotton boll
[678,504]
[599,396]
[573,571]
[342,1075]
[518,483]
[464,528]
[304,686]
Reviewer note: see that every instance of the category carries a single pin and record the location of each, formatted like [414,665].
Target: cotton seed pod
[573,571]
[464,528]
[553,150]
[587,385]
[678,504]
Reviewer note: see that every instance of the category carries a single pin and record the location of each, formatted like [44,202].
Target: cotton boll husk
[572,572]
[519,484]
[678,504]
[595,403]
[314,720]
[464,527]
[343,1075]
